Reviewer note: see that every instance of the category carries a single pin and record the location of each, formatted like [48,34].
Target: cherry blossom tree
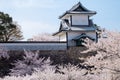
[107,56]
[68,72]
[30,62]
[44,37]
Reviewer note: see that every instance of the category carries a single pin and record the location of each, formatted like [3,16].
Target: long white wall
[35,46]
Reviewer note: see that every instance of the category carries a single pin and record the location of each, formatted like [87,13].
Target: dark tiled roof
[78,8]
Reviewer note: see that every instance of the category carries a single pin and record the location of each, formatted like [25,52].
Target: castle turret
[76,25]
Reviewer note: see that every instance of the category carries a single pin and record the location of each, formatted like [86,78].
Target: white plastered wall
[80,19]
[62,37]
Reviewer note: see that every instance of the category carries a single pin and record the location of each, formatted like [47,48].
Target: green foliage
[9,30]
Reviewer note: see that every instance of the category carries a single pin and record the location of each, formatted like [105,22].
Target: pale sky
[41,16]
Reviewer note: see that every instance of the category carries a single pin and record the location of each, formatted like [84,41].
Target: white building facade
[76,25]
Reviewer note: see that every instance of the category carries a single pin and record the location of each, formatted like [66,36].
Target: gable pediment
[64,25]
[83,35]
[79,8]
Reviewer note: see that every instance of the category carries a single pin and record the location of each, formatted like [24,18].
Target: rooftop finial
[79,3]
